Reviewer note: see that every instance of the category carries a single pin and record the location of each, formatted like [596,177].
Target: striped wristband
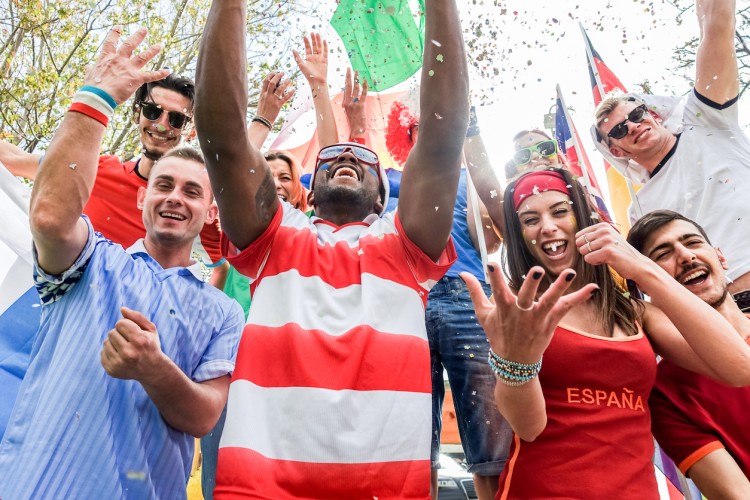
[95,103]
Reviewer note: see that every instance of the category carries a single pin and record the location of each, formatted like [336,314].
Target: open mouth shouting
[555,248]
[694,277]
[345,171]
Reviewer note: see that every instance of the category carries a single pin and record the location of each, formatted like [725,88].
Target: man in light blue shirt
[135,351]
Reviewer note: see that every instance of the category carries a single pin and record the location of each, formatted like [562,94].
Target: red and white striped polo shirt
[330,397]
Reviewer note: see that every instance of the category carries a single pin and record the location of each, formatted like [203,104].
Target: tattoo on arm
[263,197]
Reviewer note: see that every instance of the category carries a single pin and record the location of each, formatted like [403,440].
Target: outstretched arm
[717,475]
[430,181]
[716,75]
[520,333]
[240,177]
[17,161]
[354,104]
[314,67]
[67,172]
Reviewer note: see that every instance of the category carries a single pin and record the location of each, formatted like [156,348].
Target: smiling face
[282,176]
[643,141]
[177,202]
[158,136]
[537,161]
[346,183]
[679,248]
[549,227]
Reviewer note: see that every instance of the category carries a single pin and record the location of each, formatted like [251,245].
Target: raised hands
[117,71]
[274,93]
[314,66]
[520,328]
[132,349]
[354,104]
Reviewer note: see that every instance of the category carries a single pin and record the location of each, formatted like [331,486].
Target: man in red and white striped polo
[331,393]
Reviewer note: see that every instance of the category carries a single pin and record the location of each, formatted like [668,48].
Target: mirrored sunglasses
[545,149]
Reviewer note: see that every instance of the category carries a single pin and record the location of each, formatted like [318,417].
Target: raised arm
[429,184]
[485,181]
[17,161]
[240,177]
[273,95]
[355,108]
[314,67]
[67,172]
[716,75]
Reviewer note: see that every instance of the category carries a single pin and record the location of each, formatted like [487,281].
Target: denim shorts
[458,344]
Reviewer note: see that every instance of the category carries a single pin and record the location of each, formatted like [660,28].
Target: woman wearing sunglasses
[574,356]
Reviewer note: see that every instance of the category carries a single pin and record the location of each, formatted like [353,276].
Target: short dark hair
[180,84]
[653,221]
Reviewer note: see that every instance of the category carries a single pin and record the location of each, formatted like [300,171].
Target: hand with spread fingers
[602,244]
[519,328]
[118,71]
[354,101]
[274,93]
[314,65]
[132,350]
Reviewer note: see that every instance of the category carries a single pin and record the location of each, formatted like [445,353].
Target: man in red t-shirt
[162,111]
[700,423]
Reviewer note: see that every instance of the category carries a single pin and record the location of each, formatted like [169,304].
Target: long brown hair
[612,306]
[298,198]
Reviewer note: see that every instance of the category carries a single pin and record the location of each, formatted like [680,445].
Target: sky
[526,48]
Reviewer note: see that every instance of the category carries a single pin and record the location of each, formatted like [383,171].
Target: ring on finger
[588,245]
[279,96]
[524,308]
[586,238]
[356,99]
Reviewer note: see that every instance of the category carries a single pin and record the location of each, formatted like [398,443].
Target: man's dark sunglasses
[153,111]
[637,115]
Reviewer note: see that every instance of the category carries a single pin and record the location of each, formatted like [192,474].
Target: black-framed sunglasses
[153,111]
[362,153]
[636,115]
[545,149]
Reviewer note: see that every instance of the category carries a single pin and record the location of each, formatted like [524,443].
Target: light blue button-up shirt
[77,433]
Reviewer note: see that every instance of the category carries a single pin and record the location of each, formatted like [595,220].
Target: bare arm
[314,67]
[273,95]
[522,336]
[491,238]
[717,475]
[683,328]
[240,177]
[432,169]
[132,352]
[355,106]
[17,161]
[67,173]
[716,75]
[483,176]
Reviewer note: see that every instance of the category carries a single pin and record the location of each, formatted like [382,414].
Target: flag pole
[569,121]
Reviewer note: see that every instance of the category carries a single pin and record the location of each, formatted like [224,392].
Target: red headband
[538,182]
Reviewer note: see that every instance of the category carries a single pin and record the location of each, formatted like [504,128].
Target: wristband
[264,121]
[511,372]
[94,103]
[358,140]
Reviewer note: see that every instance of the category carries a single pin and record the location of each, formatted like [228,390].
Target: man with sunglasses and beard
[331,394]
[700,423]
[704,171]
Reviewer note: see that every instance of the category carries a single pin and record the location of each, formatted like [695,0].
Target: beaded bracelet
[511,372]
[95,103]
[264,121]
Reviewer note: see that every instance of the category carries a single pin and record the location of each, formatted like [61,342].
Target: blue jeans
[459,344]
[210,456]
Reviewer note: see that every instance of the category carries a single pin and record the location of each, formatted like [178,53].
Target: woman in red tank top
[581,421]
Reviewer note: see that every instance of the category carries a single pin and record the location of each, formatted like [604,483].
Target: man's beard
[719,301]
[150,154]
[346,199]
